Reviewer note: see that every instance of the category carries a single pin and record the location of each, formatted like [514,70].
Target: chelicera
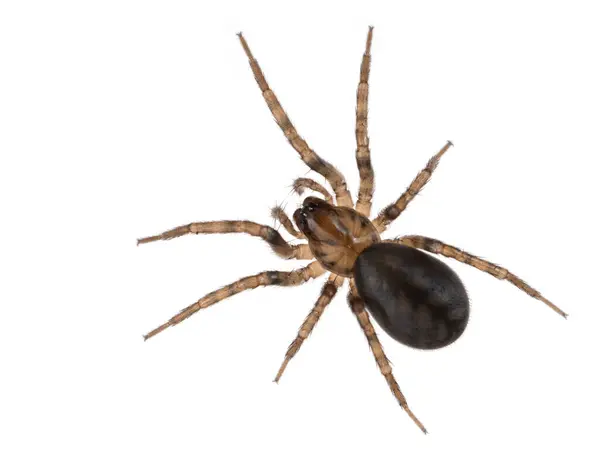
[416,298]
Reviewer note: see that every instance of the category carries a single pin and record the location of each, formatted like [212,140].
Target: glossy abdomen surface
[415,298]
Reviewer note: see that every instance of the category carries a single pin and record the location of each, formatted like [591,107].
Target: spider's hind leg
[439,247]
[269,278]
[357,306]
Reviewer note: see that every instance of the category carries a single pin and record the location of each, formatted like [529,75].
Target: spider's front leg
[391,212]
[312,160]
[268,278]
[268,234]
[363,153]
[357,306]
[440,248]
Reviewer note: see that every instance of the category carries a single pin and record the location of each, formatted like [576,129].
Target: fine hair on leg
[363,153]
[279,215]
[300,184]
[357,306]
[268,278]
[268,234]
[329,290]
[438,247]
[312,160]
[391,212]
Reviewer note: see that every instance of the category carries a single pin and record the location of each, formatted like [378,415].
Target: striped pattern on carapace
[336,235]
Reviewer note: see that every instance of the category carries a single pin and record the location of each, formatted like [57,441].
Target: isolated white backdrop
[123,119]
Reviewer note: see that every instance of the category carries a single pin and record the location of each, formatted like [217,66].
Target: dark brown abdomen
[415,298]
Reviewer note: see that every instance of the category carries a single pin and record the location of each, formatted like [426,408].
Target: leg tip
[148,239]
[280,371]
[157,330]
[450,143]
[415,420]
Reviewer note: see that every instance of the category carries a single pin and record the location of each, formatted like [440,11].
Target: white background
[120,119]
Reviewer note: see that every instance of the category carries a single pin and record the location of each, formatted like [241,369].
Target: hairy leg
[327,293]
[363,153]
[268,278]
[391,212]
[306,183]
[268,234]
[358,308]
[279,214]
[312,160]
[438,247]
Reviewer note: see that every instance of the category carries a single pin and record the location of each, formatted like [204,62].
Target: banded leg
[293,278]
[363,153]
[358,308]
[306,183]
[268,234]
[312,160]
[327,293]
[279,214]
[391,212]
[438,247]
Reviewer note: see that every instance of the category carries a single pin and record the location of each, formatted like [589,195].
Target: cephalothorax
[416,298]
[336,235]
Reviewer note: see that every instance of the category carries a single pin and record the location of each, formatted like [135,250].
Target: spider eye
[311,204]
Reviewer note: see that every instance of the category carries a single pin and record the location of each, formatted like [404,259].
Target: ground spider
[416,298]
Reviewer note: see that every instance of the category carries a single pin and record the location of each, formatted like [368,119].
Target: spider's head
[336,235]
[312,217]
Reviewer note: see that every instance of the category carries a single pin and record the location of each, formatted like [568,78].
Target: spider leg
[293,278]
[363,153]
[312,160]
[279,214]
[391,212]
[327,293]
[357,306]
[268,234]
[306,183]
[438,247]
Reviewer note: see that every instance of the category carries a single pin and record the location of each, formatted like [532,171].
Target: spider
[417,299]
